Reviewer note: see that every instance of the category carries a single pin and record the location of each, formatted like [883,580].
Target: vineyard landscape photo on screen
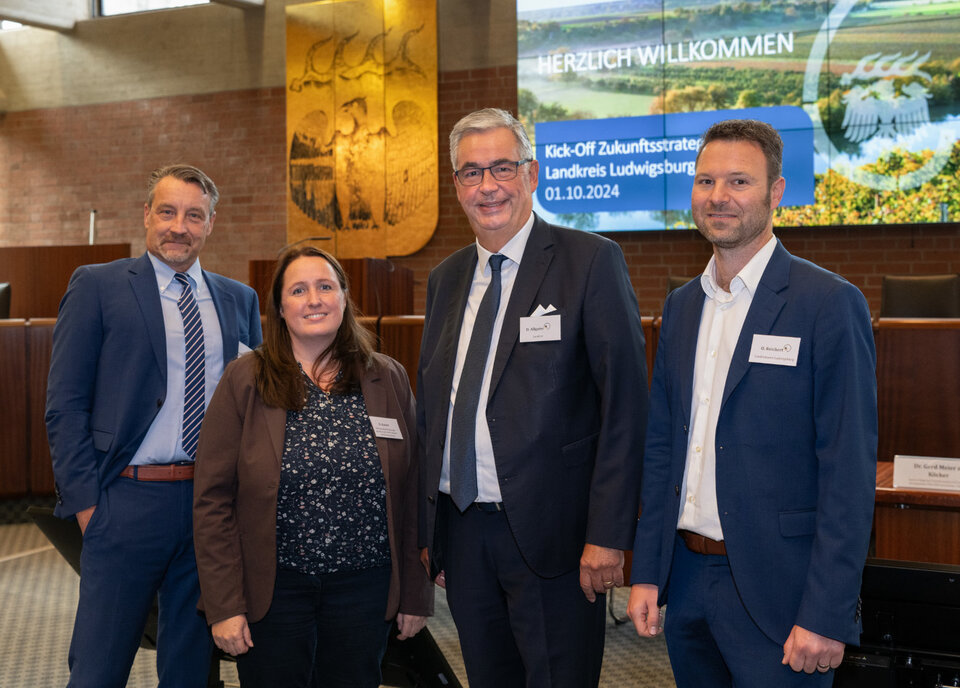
[864,93]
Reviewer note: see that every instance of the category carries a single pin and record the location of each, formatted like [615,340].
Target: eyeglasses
[502,172]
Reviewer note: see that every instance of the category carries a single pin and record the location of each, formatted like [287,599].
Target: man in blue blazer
[138,349]
[760,463]
[555,401]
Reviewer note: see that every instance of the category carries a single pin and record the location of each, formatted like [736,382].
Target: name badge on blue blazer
[768,348]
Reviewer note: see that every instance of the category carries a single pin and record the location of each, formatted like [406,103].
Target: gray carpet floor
[38,597]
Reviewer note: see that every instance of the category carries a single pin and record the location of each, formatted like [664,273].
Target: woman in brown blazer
[305,523]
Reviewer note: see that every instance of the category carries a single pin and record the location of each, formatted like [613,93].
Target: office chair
[920,296]
[675,282]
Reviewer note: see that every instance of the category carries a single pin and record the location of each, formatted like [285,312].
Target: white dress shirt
[720,324]
[488,488]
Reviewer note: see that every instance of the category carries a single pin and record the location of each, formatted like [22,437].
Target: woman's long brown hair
[278,378]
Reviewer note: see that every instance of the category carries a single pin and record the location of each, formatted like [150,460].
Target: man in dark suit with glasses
[532,398]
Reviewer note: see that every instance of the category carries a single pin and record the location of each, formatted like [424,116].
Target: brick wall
[56,164]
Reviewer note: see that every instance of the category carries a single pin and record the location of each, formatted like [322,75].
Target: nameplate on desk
[926,473]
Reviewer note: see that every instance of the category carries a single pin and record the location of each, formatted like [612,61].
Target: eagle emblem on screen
[876,107]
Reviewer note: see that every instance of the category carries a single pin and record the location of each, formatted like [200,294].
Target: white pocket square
[540,310]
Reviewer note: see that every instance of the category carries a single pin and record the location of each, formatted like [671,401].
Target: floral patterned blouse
[331,502]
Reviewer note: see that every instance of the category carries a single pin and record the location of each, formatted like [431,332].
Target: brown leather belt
[159,473]
[701,544]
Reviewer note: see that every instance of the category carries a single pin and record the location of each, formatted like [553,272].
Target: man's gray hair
[486,120]
[185,173]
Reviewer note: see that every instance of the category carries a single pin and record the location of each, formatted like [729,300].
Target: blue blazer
[796,451]
[108,369]
[566,417]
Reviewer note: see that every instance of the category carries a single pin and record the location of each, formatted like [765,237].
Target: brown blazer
[235,493]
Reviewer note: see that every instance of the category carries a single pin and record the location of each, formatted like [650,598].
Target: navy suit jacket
[566,417]
[796,450]
[108,369]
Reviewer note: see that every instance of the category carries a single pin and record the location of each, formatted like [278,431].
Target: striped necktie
[193,378]
[463,447]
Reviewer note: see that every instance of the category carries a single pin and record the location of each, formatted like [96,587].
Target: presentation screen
[865,94]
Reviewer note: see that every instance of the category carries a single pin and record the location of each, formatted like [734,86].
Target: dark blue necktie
[193,378]
[463,447]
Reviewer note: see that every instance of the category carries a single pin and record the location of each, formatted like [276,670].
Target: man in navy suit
[130,374]
[529,495]
[760,463]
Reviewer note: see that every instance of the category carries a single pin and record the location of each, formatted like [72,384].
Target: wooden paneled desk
[38,275]
[400,338]
[915,525]
[14,478]
[918,386]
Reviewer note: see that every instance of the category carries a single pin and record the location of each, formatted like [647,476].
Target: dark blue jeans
[326,630]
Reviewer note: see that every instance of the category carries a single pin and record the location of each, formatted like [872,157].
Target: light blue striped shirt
[162,443]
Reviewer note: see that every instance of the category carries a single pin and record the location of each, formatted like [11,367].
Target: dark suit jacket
[235,493]
[108,369]
[566,417]
[796,451]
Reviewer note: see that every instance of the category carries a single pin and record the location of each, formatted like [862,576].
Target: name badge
[387,428]
[541,328]
[768,348]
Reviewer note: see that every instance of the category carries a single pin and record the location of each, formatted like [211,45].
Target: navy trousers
[516,629]
[711,639]
[138,546]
